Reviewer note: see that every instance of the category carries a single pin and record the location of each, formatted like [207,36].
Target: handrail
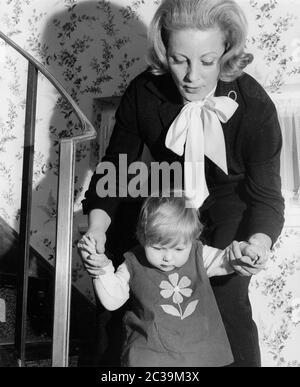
[64,226]
[86,125]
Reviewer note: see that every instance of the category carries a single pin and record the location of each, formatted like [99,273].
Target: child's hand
[247,259]
[86,246]
[92,261]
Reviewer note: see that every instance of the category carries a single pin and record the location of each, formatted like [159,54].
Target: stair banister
[63,263]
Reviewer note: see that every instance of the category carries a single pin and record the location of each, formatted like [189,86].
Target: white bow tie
[198,127]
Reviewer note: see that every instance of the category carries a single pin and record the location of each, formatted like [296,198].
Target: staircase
[30,298]
[40,310]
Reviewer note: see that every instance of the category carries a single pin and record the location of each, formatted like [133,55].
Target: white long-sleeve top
[112,287]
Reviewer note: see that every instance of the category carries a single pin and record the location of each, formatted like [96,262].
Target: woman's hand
[99,237]
[92,258]
[99,222]
[248,259]
[87,246]
[95,263]
[92,244]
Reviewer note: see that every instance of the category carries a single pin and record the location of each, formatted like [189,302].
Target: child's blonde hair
[167,220]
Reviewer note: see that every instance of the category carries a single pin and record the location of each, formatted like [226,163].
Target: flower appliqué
[177,288]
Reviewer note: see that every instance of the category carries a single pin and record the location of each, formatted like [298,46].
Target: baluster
[25,218]
[63,265]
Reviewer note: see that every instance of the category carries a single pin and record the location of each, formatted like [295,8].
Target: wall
[94,48]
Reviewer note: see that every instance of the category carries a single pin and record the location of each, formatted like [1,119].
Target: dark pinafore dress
[173,319]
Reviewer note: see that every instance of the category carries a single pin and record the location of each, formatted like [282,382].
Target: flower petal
[177,298]
[186,292]
[173,278]
[184,282]
[166,293]
[166,285]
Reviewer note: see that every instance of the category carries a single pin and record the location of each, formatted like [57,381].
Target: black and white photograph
[149,186]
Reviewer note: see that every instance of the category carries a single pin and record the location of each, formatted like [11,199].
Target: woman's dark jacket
[250,195]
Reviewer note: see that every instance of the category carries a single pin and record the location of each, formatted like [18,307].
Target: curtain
[288,108]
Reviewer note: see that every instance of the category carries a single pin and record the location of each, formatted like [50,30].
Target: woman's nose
[193,73]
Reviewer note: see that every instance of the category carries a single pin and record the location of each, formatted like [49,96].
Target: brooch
[232,94]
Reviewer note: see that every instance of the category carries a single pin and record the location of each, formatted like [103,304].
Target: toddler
[172,319]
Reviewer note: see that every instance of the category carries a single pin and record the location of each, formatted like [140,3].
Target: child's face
[167,258]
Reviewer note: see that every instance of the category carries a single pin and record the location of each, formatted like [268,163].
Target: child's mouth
[167,267]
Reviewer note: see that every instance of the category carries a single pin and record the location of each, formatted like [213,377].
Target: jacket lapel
[171,101]
[168,112]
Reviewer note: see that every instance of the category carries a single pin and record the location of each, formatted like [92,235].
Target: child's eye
[156,247]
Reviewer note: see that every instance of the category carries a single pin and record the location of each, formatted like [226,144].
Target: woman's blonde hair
[167,219]
[226,15]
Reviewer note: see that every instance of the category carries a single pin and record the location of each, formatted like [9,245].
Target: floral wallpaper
[274,39]
[95,48]
[275,299]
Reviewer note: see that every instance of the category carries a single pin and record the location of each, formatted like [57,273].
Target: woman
[197,55]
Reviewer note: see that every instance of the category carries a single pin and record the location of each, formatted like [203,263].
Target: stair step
[40,300]
[8,357]
[38,351]
[35,330]
[37,355]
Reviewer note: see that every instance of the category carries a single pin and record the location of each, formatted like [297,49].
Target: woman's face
[194,61]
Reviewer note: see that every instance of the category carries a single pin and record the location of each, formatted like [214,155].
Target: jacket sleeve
[125,141]
[263,183]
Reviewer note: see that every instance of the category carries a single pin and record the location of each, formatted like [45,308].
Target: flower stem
[180,310]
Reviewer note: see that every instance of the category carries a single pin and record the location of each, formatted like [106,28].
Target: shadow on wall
[94,49]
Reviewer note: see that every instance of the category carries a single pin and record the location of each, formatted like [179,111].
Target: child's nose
[167,256]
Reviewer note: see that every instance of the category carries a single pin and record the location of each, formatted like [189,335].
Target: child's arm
[239,254]
[112,288]
[216,261]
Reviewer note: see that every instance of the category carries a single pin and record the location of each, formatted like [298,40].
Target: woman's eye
[208,63]
[178,60]
[156,248]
